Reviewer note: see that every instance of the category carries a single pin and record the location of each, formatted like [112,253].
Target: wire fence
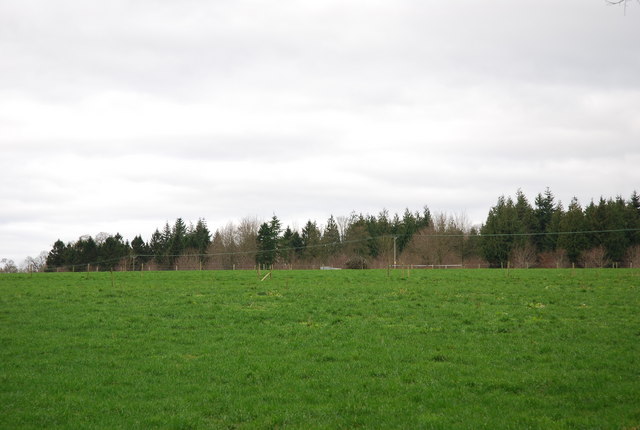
[435,250]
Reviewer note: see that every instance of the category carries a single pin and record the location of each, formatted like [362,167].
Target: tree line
[516,233]
[603,233]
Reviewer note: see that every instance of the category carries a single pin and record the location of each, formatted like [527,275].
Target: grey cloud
[120,114]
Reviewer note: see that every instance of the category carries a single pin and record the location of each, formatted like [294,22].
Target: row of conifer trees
[516,233]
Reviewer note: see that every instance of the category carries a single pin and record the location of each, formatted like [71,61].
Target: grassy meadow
[441,349]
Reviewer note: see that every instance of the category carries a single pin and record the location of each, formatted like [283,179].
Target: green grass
[313,349]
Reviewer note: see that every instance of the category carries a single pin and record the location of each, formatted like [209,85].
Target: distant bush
[357,263]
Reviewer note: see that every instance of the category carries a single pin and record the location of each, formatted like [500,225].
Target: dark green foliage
[178,240]
[543,218]
[330,239]
[267,242]
[198,239]
[157,246]
[572,223]
[86,250]
[498,233]
[526,217]
[112,251]
[603,218]
[79,256]
[602,234]
[291,246]
[410,224]
[311,237]
[56,257]
[141,251]
[356,239]
[632,219]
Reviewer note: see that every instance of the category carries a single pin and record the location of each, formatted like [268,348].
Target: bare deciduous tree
[594,257]
[620,2]
[8,266]
[343,225]
[523,256]
[633,256]
[441,243]
[246,234]
[36,264]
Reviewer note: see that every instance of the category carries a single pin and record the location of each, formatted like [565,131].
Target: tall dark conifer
[543,214]
[498,232]
[571,225]
[56,257]
[267,242]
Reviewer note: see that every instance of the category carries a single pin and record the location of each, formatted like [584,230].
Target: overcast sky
[117,116]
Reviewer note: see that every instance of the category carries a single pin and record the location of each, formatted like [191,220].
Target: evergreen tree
[267,242]
[632,215]
[375,232]
[379,229]
[526,223]
[112,251]
[572,222]
[57,255]
[471,244]
[330,240]
[616,241]
[199,239]
[406,229]
[178,240]
[157,246]
[594,222]
[140,250]
[85,251]
[498,232]
[411,223]
[355,243]
[554,226]
[290,246]
[606,222]
[543,214]
[311,237]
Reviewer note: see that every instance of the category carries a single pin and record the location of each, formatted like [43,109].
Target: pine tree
[497,234]
[632,215]
[355,244]
[200,238]
[140,250]
[330,240]
[526,222]
[571,224]
[267,242]
[85,252]
[543,213]
[311,237]
[290,246]
[616,241]
[178,240]
[157,247]
[112,251]
[57,255]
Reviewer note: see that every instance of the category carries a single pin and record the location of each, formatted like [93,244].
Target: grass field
[321,349]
